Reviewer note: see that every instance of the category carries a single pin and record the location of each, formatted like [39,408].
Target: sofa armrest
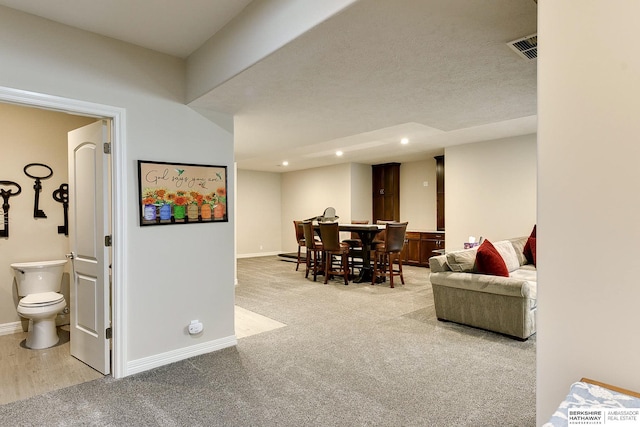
[438,263]
[499,285]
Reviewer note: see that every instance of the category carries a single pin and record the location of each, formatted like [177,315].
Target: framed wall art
[181,193]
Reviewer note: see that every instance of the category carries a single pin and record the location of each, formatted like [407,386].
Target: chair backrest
[329,215]
[380,236]
[299,230]
[394,239]
[307,230]
[330,236]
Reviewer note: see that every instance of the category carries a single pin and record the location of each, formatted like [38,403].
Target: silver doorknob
[70,256]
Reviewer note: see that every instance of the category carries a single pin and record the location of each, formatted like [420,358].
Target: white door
[88,225]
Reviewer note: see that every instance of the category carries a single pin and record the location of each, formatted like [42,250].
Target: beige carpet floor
[356,355]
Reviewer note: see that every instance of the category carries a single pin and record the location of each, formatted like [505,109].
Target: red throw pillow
[531,242]
[530,247]
[489,260]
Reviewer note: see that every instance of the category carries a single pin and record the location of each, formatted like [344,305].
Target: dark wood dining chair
[389,251]
[355,246]
[300,239]
[333,247]
[314,250]
[379,238]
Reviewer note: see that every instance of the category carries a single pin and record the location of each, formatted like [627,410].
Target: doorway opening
[117,181]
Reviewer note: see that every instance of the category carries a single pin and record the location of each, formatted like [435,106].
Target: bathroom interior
[35,233]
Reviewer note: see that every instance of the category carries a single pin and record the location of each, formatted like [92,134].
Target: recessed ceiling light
[404,141]
[285,163]
[339,153]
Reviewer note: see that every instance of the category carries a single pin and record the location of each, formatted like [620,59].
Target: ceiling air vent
[526,47]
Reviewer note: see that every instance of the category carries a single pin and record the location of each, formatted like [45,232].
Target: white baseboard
[155,361]
[258,254]
[10,328]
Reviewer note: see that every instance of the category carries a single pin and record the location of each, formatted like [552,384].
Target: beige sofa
[501,304]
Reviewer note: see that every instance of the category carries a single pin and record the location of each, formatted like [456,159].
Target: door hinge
[107,148]
[108,241]
[108,333]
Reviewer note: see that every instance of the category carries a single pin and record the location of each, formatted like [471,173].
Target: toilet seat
[42,299]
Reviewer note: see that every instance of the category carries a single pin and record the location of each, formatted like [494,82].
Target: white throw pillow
[463,261]
[508,253]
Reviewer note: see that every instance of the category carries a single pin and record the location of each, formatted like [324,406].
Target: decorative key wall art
[38,168]
[61,195]
[6,194]
[181,193]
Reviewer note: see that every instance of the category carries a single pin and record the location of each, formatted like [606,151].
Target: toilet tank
[38,276]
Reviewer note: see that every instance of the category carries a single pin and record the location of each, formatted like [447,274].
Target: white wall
[268,203]
[27,136]
[588,222]
[490,190]
[361,184]
[417,202]
[258,218]
[308,192]
[175,273]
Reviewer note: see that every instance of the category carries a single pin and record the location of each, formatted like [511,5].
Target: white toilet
[39,284]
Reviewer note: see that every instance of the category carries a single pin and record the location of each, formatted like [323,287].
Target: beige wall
[417,202]
[490,190]
[29,135]
[308,192]
[360,192]
[258,218]
[588,221]
[493,179]
[268,203]
[302,194]
[196,275]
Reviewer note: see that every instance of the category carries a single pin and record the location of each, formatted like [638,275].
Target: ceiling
[438,72]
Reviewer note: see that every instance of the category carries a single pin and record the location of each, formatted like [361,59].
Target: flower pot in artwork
[179,211]
[205,211]
[165,212]
[218,211]
[149,212]
[192,212]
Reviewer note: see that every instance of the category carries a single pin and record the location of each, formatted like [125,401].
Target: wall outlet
[260,247]
[195,327]
[425,183]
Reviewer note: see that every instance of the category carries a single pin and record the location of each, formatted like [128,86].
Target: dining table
[366,233]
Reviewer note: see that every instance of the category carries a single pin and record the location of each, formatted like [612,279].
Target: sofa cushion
[509,286]
[518,245]
[530,275]
[462,261]
[489,260]
[508,254]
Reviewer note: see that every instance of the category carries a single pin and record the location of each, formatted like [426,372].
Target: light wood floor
[25,373]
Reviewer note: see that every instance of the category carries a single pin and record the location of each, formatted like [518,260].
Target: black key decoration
[61,195]
[37,213]
[6,194]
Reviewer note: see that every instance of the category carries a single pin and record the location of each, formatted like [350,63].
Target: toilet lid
[41,299]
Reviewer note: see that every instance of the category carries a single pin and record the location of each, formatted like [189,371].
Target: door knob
[70,255]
